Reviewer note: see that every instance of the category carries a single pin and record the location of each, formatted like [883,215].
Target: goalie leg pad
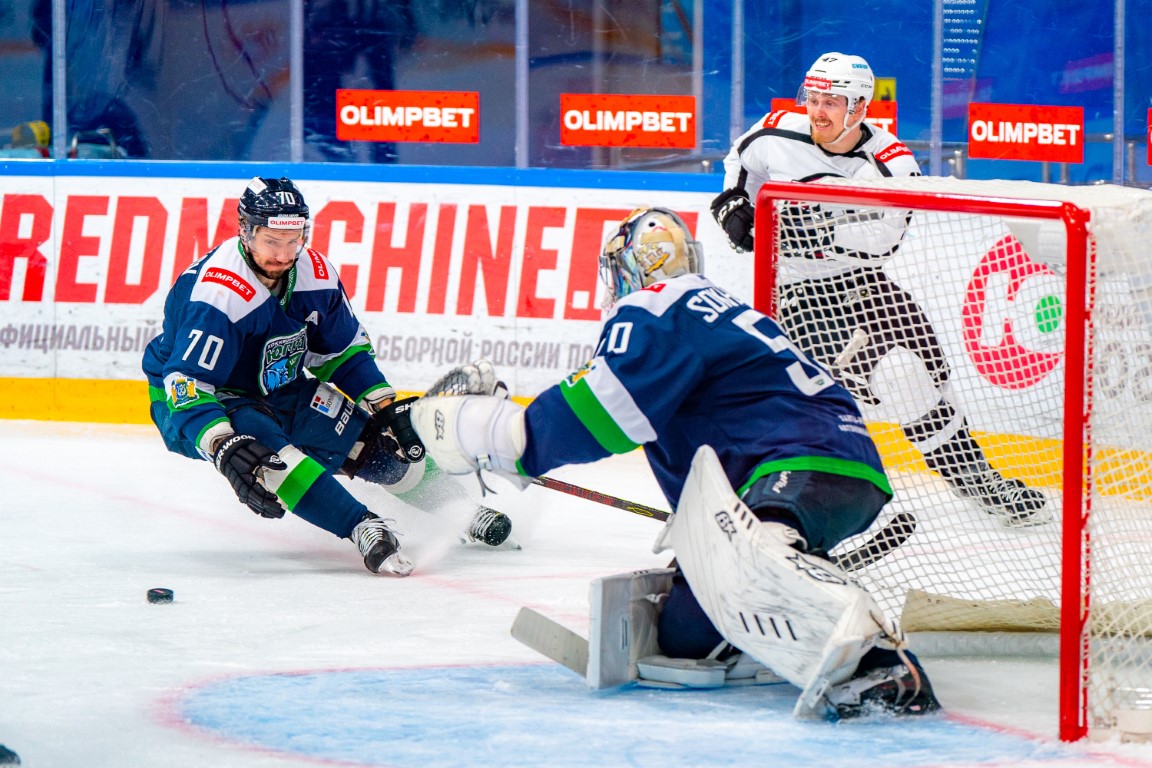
[622,624]
[471,432]
[799,615]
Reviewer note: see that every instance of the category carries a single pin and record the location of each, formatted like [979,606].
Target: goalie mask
[840,75]
[651,245]
[272,203]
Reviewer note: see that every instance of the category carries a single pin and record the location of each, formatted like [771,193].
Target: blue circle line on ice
[530,715]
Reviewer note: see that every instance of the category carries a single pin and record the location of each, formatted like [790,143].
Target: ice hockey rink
[281,650]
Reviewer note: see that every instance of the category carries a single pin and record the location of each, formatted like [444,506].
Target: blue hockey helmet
[272,203]
[650,245]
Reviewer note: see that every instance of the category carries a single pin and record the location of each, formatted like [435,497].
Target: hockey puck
[159,595]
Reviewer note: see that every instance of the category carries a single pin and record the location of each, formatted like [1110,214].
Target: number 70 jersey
[682,364]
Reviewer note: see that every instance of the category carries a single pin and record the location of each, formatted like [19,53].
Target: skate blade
[509,543]
[397,565]
[1035,520]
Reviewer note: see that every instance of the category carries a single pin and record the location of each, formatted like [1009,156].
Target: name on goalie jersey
[711,303]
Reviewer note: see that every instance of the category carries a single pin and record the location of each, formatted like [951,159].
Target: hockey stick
[551,639]
[602,498]
[892,535]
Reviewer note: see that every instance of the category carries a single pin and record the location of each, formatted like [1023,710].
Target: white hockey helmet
[650,245]
[839,74]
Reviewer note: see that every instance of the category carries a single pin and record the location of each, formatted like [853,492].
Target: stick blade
[546,637]
[891,536]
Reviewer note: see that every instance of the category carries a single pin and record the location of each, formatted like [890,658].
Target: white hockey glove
[467,433]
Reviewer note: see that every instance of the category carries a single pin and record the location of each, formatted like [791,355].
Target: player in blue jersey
[720,399]
[263,369]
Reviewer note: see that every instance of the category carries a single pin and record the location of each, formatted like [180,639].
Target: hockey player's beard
[274,277]
[268,278]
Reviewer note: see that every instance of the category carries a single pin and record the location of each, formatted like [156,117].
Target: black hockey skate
[379,547]
[1010,501]
[961,461]
[884,684]
[489,527]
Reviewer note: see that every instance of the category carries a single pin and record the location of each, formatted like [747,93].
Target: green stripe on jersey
[827,464]
[595,417]
[325,370]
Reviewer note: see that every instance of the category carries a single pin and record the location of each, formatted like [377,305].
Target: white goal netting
[950,321]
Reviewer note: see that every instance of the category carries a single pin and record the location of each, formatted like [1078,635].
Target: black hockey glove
[397,418]
[734,213]
[238,459]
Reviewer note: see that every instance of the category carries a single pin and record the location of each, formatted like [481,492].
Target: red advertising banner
[1150,137]
[427,116]
[881,114]
[1026,132]
[622,120]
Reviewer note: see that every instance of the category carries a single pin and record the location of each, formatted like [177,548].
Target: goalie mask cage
[1040,297]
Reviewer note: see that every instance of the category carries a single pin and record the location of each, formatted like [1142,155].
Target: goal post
[1023,335]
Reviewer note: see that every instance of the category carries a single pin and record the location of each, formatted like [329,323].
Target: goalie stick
[894,533]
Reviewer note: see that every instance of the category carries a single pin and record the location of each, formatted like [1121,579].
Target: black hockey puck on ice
[159,595]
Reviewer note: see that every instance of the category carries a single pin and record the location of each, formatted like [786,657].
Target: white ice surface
[92,516]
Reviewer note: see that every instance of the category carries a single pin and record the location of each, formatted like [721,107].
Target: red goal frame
[1076,461]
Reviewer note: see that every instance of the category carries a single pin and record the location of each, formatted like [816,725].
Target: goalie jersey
[681,364]
[226,333]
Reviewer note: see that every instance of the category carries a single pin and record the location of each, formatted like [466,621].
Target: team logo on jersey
[282,357]
[183,392]
[575,376]
[229,280]
[1013,317]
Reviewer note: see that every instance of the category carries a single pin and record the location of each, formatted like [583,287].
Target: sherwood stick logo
[1013,317]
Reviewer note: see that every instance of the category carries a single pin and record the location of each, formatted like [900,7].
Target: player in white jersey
[836,301]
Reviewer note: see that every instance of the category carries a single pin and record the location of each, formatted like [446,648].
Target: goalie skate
[885,683]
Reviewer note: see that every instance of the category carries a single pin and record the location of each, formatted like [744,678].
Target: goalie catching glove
[467,433]
[241,459]
[733,211]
